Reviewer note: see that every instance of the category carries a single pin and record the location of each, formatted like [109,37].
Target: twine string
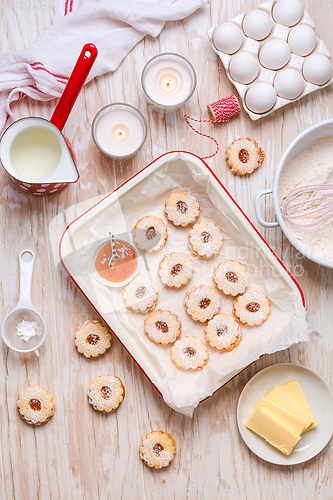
[220,111]
[188,118]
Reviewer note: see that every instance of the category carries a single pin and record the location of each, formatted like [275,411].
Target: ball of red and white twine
[220,112]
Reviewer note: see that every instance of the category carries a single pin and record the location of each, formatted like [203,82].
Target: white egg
[317,69]
[228,38]
[257,24]
[274,54]
[288,12]
[302,40]
[244,67]
[289,83]
[261,97]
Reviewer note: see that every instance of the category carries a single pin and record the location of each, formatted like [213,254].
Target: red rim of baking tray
[239,208]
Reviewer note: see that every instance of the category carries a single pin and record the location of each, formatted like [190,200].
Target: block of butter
[294,390]
[270,428]
[288,419]
[281,416]
[279,397]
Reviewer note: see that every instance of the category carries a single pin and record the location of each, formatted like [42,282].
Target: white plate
[319,397]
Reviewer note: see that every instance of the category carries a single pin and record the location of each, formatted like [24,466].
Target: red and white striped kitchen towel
[115,27]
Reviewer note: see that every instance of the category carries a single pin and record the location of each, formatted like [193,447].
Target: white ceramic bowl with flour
[316,243]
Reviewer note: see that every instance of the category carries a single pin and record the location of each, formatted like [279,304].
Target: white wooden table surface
[81,454]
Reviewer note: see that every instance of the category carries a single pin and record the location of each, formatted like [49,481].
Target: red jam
[122,268]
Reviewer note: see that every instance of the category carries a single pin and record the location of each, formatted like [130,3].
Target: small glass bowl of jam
[123,269]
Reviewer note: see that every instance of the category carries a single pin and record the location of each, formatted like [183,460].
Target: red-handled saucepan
[34,152]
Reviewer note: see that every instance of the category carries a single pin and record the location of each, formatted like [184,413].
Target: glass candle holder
[168,80]
[119,130]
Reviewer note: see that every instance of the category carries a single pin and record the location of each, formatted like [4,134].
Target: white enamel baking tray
[78,232]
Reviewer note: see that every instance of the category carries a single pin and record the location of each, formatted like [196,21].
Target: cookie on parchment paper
[182,208]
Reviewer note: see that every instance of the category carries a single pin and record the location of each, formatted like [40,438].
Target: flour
[312,166]
[27,329]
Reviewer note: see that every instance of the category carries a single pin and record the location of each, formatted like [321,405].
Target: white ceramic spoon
[24,310]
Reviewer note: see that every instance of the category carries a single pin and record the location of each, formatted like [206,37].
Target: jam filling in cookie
[189,353]
[223,332]
[182,208]
[92,338]
[157,449]
[205,239]
[36,405]
[162,327]
[244,156]
[150,233]
[175,269]
[231,277]
[106,393]
[202,303]
[141,294]
[252,308]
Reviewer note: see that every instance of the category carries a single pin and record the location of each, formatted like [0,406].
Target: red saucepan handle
[74,85]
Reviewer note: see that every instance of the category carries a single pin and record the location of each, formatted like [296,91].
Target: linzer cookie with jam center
[205,239]
[182,208]
[223,332]
[36,405]
[244,156]
[231,277]
[202,303]
[150,233]
[106,393]
[162,327]
[141,294]
[92,338]
[175,269]
[157,449]
[252,308]
[189,353]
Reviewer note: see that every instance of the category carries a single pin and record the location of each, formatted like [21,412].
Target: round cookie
[141,294]
[150,233]
[92,338]
[182,208]
[162,327]
[157,449]
[202,302]
[252,308]
[175,269]
[231,277]
[189,353]
[205,239]
[244,156]
[106,393]
[35,405]
[223,332]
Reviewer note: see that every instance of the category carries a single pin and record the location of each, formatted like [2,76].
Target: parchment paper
[285,326]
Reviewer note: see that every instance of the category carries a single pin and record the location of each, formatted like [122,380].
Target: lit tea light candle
[168,81]
[119,130]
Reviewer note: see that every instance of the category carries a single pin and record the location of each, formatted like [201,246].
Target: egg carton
[281,32]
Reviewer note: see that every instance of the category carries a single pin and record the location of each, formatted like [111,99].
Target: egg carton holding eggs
[267,76]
